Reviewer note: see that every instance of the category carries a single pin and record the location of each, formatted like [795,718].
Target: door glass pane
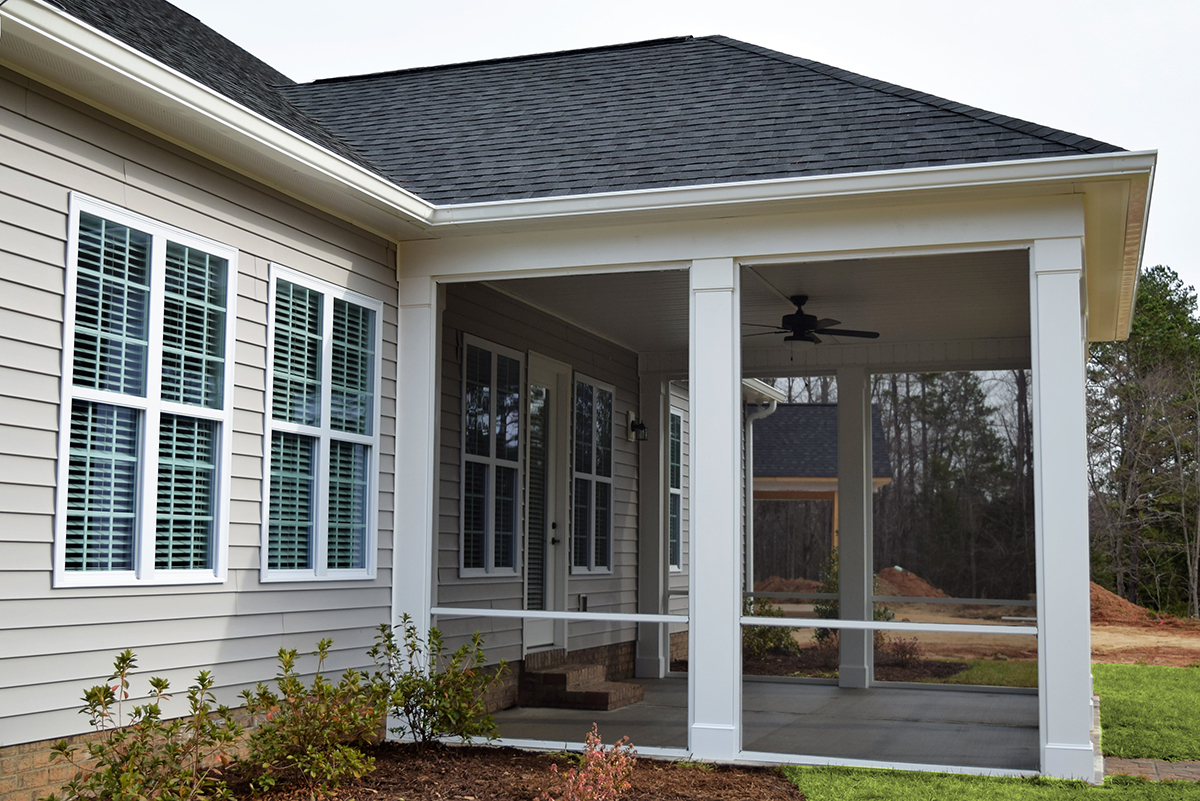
[290,523]
[583,427]
[475,479]
[478,402]
[112,303]
[582,522]
[604,414]
[187,471]
[193,368]
[676,530]
[508,408]
[102,487]
[506,516]
[537,513]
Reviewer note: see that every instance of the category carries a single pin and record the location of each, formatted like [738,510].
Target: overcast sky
[1120,71]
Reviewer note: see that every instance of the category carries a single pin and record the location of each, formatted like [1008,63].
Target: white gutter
[748,559]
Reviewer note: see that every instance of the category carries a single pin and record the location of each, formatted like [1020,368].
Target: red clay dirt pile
[1112,610]
[902,583]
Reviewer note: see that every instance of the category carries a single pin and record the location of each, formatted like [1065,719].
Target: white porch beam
[653,644]
[855,535]
[416,450]
[1060,502]
[715,392]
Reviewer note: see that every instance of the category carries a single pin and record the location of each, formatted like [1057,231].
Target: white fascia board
[959,176]
[96,51]
[757,391]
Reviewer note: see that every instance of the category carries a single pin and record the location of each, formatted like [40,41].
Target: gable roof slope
[669,112]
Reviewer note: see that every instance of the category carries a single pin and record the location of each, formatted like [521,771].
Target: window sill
[283,576]
[127,578]
[593,571]
[484,573]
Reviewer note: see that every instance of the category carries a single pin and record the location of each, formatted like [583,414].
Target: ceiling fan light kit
[801,327]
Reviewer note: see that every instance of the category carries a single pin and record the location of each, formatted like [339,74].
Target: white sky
[1121,71]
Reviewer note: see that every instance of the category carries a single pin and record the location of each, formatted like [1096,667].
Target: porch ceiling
[944,297]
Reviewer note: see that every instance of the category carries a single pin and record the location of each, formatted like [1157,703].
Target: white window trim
[675,491]
[489,570]
[591,569]
[323,434]
[152,407]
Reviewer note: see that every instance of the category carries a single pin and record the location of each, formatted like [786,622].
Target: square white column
[714,392]
[653,644]
[416,450]
[856,574]
[1058,328]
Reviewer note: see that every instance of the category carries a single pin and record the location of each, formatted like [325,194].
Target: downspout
[748,495]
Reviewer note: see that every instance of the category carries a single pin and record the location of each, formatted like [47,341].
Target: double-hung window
[592,487]
[491,459]
[322,436]
[675,490]
[144,443]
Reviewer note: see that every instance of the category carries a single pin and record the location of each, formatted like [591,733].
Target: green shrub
[432,694]
[311,735]
[827,608]
[758,641]
[146,756]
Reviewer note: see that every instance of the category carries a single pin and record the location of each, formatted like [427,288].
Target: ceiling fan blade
[767,333]
[849,332]
[760,325]
[825,322]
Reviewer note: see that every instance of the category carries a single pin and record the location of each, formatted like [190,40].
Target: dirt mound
[1111,609]
[779,584]
[905,584]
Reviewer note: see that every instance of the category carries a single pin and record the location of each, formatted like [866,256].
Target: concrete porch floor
[885,724]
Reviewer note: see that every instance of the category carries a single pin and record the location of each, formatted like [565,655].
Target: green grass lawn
[855,784]
[995,673]
[1149,711]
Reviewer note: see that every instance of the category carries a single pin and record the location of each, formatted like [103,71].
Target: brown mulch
[482,773]
[823,662]
[905,584]
[778,584]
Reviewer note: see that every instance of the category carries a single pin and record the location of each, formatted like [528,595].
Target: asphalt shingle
[800,440]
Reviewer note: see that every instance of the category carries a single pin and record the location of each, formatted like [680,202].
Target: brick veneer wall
[26,773]
[679,646]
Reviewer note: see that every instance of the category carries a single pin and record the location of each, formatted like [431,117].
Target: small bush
[146,756]
[758,641]
[432,694]
[827,608]
[904,653]
[311,735]
[602,775]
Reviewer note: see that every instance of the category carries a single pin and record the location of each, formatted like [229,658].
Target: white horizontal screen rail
[872,625]
[529,614]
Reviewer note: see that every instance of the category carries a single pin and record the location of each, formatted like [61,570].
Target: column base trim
[854,676]
[714,742]
[1069,761]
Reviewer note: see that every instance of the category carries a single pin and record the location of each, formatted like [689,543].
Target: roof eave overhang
[56,48]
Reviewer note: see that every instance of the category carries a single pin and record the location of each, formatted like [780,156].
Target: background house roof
[800,441]
[669,112]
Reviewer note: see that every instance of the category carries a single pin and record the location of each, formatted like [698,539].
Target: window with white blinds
[146,408]
[675,491]
[491,459]
[323,431]
[592,488]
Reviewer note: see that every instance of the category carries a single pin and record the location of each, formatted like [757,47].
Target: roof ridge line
[497,60]
[1084,144]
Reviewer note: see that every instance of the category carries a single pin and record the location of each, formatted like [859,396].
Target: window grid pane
[348,487]
[193,368]
[112,307]
[102,487]
[603,523]
[676,530]
[582,522]
[187,470]
[604,409]
[291,514]
[478,425]
[583,427]
[474,513]
[353,383]
[297,367]
[508,408]
[676,457]
[506,517]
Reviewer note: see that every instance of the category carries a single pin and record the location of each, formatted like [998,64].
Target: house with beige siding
[283,362]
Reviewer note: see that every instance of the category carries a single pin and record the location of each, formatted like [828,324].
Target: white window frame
[675,492]
[591,569]
[490,570]
[323,434]
[150,408]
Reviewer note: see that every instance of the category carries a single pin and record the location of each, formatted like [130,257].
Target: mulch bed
[823,662]
[481,773]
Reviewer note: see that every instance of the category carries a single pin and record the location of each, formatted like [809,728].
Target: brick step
[602,695]
[564,677]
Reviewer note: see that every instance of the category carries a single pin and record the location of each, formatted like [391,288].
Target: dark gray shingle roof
[669,112]
[800,440]
[184,43]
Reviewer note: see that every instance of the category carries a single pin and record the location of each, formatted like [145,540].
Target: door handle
[554,540]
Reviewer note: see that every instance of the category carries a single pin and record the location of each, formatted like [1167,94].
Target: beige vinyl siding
[483,312]
[58,641]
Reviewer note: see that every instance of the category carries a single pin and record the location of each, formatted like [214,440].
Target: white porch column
[653,645]
[715,393]
[855,555]
[416,451]
[1057,328]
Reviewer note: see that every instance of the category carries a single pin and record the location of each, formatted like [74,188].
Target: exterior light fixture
[636,430]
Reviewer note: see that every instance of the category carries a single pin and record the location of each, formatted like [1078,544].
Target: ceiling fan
[801,327]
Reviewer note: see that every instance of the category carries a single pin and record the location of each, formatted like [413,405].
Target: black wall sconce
[637,430]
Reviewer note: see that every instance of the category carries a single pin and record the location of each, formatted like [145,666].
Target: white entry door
[546,499]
